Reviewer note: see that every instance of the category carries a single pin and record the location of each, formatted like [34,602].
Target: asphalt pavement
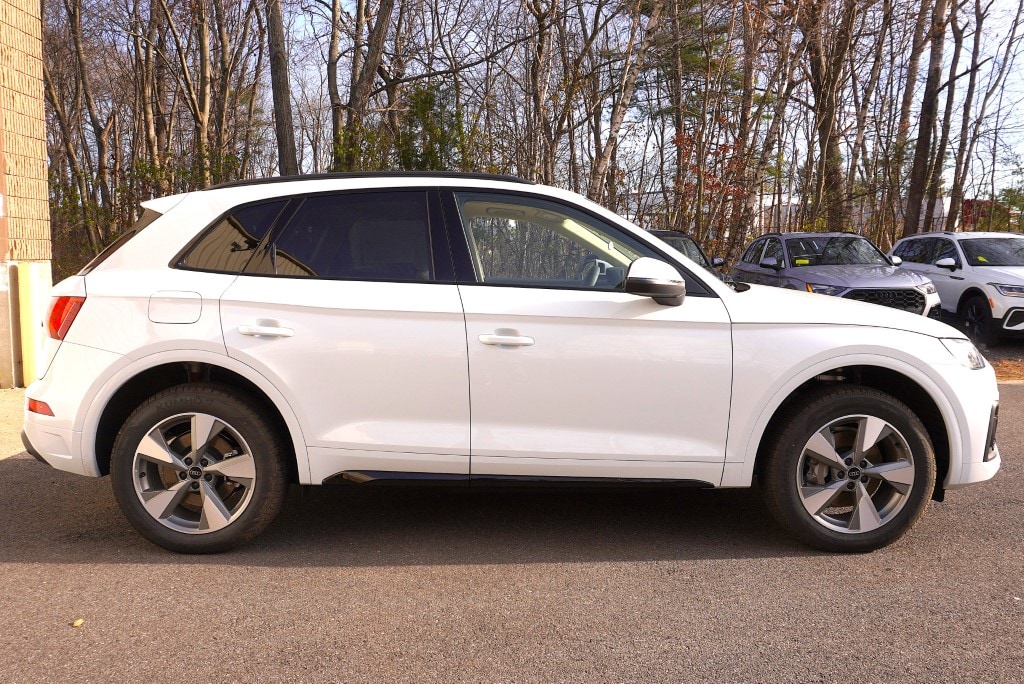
[409,585]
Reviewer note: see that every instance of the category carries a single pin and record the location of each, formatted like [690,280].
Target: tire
[976,318]
[835,496]
[205,502]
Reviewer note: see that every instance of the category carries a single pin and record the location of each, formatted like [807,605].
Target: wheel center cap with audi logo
[195,472]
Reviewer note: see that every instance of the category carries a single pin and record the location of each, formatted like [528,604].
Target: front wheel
[977,321]
[197,469]
[851,470]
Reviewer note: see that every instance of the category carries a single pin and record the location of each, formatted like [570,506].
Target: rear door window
[382,236]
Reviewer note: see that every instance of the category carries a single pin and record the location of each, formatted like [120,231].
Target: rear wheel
[196,469]
[852,470]
[976,315]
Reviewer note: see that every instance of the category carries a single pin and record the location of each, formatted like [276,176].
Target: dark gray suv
[839,264]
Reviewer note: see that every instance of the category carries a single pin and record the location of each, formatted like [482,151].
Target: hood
[1004,275]
[773,305]
[858,276]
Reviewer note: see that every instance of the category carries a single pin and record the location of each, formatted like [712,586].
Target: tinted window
[229,244]
[354,236]
[753,252]
[915,251]
[774,249]
[946,249]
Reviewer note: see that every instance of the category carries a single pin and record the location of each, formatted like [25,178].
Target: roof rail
[372,174]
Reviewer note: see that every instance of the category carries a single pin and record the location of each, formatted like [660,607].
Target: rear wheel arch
[149,381]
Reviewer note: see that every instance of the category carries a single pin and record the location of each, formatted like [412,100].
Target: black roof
[373,174]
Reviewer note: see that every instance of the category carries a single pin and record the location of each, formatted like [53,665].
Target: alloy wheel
[194,473]
[855,474]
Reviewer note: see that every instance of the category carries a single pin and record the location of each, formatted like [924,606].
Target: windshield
[688,247]
[997,251]
[833,251]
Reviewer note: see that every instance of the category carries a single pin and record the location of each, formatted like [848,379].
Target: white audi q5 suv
[479,328]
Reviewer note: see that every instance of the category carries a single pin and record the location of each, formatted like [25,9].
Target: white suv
[476,328]
[979,277]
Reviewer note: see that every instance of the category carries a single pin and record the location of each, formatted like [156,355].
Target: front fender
[762,386]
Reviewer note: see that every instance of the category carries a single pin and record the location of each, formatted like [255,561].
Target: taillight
[62,314]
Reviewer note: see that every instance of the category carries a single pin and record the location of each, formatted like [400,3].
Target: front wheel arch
[892,382]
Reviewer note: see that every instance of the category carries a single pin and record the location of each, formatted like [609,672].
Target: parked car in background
[838,264]
[682,242]
[476,329]
[979,277]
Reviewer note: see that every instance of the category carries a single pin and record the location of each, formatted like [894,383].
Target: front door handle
[506,338]
[261,329]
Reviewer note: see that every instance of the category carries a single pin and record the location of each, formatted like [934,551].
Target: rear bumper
[31,449]
[54,446]
[66,389]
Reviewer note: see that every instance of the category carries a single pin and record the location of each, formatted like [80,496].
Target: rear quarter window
[227,245]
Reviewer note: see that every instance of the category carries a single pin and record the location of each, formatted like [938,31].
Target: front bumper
[979,459]
[1013,320]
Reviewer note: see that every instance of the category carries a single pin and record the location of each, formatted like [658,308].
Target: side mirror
[947,262]
[770,262]
[717,262]
[896,261]
[649,277]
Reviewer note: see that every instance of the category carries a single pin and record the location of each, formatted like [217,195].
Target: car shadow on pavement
[50,516]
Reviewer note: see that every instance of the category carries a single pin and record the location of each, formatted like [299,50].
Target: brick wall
[25,216]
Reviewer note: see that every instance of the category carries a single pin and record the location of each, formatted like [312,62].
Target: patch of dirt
[1007,358]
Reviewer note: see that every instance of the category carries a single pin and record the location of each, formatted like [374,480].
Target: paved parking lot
[364,585]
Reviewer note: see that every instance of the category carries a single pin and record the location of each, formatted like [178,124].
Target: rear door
[351,311]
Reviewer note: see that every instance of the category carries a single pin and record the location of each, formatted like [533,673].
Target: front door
[570,376]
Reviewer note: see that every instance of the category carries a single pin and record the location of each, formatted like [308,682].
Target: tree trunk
[359,100]
[280,86]
[929,110]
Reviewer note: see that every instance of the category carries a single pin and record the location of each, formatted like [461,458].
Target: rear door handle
[261,330]
[506,338]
